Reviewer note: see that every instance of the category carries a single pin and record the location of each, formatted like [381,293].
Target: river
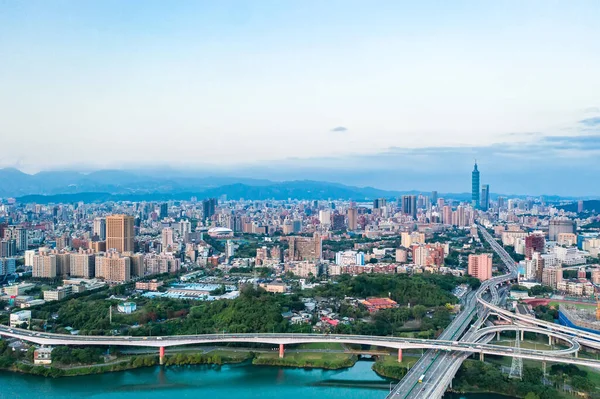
[242,381]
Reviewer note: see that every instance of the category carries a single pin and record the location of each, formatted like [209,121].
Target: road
[434,365]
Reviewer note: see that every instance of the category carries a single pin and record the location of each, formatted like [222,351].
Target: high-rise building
[18,234]
[352,218]
[120,233]
[338,222]
[325,217]
[409,205]
[501,202]
[484,202]
[83,264]
[208,207]
[475,187]
[305,248]
[167,239]
[164,210]
[379,203]
[534,243]
[100,228]
[7,266]
[480,266]
[434,197]
[114,268]
[44,265]
[8,248]
[447,214]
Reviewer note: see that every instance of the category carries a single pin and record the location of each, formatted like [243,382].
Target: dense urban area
[398,267]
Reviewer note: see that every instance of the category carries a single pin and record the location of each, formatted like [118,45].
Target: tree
[419,311]
[532,395]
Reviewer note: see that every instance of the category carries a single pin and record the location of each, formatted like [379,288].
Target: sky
[305,89]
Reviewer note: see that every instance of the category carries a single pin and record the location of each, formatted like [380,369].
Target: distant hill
[589,205]
[154,185]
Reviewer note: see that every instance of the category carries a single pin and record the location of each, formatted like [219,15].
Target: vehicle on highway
[421,378]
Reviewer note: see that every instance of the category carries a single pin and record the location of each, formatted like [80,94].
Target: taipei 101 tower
[475,187]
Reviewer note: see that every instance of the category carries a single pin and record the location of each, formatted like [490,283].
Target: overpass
[281,340]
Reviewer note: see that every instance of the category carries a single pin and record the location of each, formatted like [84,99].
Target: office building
[120,233]
[409,205]
[480,266]
[208,207]
[379,203]
[434,197]
[164,210]
[484,202]
[475,187]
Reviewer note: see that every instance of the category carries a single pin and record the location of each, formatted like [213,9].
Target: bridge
[281,340]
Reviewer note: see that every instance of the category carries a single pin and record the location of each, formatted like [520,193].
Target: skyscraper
[475,187]
[164,210]
[484,202]
[434,197]
[409,205]
[120,233]
[352,218]
[208,207]
[379,203]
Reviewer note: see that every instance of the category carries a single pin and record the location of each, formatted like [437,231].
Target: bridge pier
[281,351]
[549,340]
[522,335]
[481,357]
[576,353]
[498,336]
[161,355]
[399,355]
[544,368]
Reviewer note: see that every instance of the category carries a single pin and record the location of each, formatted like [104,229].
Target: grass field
[577,305]
[307,359]
[319,345]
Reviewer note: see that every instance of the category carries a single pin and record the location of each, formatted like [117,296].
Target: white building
[18,318]
[325,216]
[569,256]
[349,258]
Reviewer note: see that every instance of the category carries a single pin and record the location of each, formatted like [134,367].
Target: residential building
[480,266]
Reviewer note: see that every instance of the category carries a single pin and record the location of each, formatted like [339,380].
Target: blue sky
[300,84]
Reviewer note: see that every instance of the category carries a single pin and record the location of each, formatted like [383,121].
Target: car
[145,337]
[159,338]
